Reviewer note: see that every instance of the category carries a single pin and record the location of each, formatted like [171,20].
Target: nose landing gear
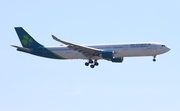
[154,59]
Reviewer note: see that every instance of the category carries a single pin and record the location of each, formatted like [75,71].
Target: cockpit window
[163,45]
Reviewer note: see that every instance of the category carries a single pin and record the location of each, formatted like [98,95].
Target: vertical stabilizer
[26,40]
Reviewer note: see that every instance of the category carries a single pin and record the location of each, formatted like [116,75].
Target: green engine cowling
[117,60]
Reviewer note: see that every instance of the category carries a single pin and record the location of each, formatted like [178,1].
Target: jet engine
[107,55]
[117,60]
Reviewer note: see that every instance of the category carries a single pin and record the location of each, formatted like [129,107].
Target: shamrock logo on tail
[27,41]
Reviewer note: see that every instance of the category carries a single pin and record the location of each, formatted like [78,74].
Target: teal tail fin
[26,40]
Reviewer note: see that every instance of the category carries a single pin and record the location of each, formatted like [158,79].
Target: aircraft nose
[168,49]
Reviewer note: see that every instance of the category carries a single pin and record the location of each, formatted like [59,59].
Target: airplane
[92,53]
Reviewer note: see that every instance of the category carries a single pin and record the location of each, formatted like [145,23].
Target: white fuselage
[121,50]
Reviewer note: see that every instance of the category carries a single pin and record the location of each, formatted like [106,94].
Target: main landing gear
[154,59]
[93,63]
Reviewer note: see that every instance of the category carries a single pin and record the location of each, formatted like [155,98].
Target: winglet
[59,40]
[55,38]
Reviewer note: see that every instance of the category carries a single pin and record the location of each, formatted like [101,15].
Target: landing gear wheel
[154,59]
[92,66]
[96,63]
[86,64]
[91,61]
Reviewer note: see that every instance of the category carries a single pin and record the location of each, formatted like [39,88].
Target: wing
[87,51]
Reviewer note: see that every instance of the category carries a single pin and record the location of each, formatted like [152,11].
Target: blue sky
[31,83]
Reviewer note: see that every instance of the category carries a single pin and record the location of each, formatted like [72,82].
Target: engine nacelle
[107,54]
[117,59]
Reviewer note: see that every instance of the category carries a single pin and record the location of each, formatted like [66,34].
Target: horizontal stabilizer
[22,48]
